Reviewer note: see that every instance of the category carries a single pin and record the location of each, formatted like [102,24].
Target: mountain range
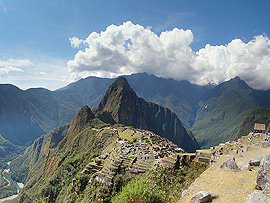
[48,166]
[212,113]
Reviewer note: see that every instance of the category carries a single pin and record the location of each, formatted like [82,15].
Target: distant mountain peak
[238,83]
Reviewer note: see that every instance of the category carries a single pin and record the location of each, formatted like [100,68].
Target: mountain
[18,116]
[179,96]
[127,108]
[25,115]
[221,111]
[87,159]
[257,116]
[87,91]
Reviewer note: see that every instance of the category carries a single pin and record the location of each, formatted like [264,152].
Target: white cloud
[250,61]
[34,72]
[15,62]
[7,69]
[131,48]
[75,42]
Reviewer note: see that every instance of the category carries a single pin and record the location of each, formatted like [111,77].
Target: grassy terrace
[129,132]
[125,136]
[207,151]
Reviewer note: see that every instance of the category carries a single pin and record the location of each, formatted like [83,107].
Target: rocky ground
[231,185]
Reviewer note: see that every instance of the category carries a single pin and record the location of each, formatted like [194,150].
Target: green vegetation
[161,185]
[51,168]
[126,108]
[7,189]
[8,152]
[219,118]
[139,190]
[126,136]
[257,116]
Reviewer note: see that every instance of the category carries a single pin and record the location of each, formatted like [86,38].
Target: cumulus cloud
[249,61]
[130,48]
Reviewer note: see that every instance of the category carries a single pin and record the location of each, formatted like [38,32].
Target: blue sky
[36,47]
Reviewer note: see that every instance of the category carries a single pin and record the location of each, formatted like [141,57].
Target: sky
[53,43]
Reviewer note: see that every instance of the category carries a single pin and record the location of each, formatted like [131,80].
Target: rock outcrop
[255,161]
[258,197]
[230,164]
[263,177]
[204,196]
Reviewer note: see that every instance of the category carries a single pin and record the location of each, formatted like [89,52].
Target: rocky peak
[83,116]
[119,97]
[127,108]
[121,83]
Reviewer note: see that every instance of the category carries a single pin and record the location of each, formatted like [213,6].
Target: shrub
[139,191]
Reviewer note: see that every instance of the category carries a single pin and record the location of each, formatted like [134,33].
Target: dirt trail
[231,186]
[6,171]
[8,198]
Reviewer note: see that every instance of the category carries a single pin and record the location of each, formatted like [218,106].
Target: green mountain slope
[128,109]
[87,160]
[53,112]
[221,112]
[18,116]
[26,115]
[8,151]
[48,166]
[257,116]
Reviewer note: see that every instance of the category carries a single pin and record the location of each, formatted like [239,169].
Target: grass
[204,151]
[129,132]
[125,136]
[231,186]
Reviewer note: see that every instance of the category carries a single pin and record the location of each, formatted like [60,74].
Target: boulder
[263,177]
[255,161]
[258,197]
[204,196]
[230,164]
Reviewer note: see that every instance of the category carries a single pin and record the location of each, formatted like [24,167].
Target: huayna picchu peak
[127,108]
